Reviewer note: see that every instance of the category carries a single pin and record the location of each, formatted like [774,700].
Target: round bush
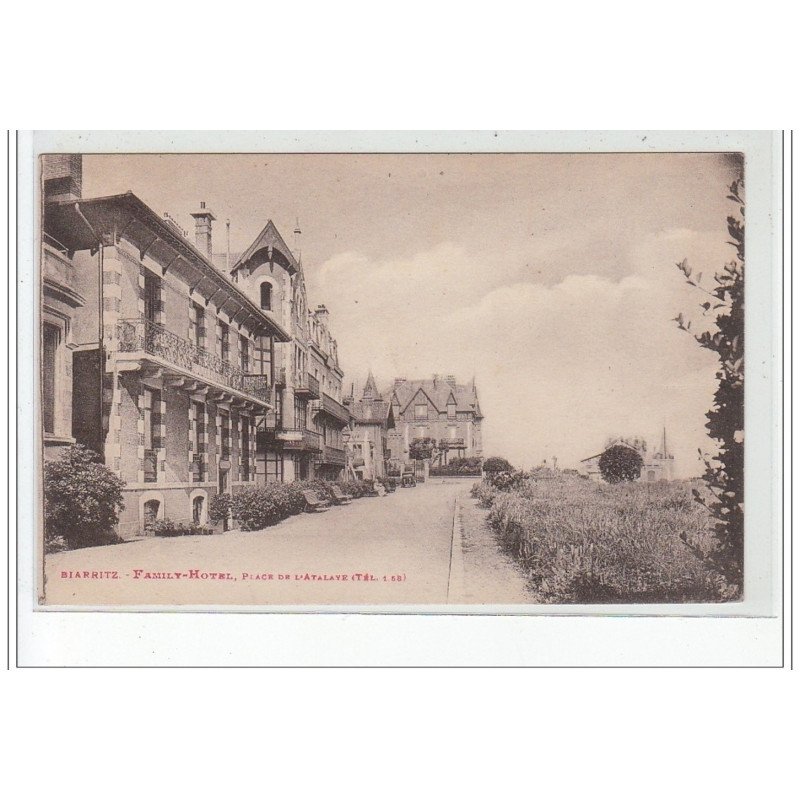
[82,499]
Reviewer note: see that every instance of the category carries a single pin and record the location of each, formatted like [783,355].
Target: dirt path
[490,576]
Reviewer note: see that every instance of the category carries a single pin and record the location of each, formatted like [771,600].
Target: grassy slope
[586,542]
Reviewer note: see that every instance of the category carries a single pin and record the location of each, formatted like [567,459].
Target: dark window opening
[51,337]
[152,297]
[266,296]
[151,508]
[197,510]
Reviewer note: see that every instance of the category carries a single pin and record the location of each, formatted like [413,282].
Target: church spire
[370,388]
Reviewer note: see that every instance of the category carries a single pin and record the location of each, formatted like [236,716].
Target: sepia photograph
[391,379]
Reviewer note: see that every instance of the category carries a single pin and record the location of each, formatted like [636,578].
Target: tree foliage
[724,473]
[497,464]
[620,463]
[82,499]
[422,448]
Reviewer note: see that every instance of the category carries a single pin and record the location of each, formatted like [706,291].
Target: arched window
[197,509]
[266,296]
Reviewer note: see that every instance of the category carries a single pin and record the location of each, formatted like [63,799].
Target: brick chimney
[62,176]
[202,228]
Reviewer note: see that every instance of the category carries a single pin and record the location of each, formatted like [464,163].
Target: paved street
[405,535]
[376,551]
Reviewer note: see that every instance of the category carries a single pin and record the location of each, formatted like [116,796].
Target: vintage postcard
[396,380]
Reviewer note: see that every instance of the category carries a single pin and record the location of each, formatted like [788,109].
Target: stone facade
[440,409]
[182,350]
[372,424]
[302,439]
[190,373]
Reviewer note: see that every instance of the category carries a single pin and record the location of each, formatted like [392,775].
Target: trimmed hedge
[257,507]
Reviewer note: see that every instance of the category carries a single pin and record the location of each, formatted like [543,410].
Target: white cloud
[559,368]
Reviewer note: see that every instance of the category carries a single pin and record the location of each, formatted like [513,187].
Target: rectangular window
[244,353]
[197,326]
[274,464]
[421,411]
[152,433]
[300,414]
[51,338]
[245,448]
[264,356]
[152,297]
[224,342]
[225,434]
[451,411]
[198,442]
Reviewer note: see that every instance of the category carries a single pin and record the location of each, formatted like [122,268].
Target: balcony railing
[306,386]
[333,408]
[309,441]
[144,335]
[452,444]
[332,455]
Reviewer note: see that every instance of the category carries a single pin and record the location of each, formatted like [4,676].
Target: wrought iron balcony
[333,408]
[452,444]
[332,455]
[302,440]
[306,386]
[135,335]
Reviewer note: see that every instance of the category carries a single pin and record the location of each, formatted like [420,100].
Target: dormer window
[421,411]
[451,410]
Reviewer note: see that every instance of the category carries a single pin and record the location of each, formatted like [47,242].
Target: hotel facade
[190,375]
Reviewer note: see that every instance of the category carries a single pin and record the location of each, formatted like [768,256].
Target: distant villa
[657,466]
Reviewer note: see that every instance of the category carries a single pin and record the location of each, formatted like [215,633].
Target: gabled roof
[438,393]
[271,243]
[373,412]
[79,225]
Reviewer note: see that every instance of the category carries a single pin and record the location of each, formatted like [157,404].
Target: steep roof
[270,241]
[371,388]
[438,392]
[373,412]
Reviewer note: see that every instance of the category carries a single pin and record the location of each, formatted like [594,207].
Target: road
[381,551]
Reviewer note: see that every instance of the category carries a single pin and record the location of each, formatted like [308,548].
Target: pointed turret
[370,388]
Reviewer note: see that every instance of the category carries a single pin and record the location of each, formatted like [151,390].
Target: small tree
[619,464]
[82,499]
[724,474]
[496,464]
[421,449]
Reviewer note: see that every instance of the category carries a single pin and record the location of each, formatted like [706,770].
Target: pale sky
[550,278]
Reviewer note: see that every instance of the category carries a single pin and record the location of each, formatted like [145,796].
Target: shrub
[458,466]
[484,492]
[496,464]
[82,499]
[619,464]
[356,488]
[507,481]
[724,473]
[168,527]
[219,508]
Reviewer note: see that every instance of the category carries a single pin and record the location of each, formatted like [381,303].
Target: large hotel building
[190,372]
